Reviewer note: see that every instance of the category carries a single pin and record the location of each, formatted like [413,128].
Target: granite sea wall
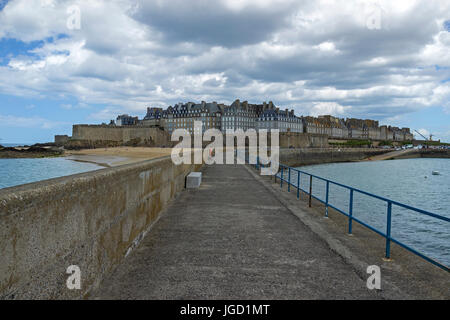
[92,220]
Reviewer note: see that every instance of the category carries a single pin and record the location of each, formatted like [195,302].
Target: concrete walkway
[232,239]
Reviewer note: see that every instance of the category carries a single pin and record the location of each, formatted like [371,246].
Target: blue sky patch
[3,3]
[10,48]
[447,25]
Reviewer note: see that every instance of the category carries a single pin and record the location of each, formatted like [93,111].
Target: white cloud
[318,57]
[105,114]
[326,46]
[9,121]
[324,108]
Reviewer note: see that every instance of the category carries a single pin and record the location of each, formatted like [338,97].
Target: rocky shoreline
[34,151]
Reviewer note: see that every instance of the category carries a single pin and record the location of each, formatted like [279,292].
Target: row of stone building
[243,115]
[352,128]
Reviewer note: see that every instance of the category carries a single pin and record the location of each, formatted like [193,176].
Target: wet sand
[113,157]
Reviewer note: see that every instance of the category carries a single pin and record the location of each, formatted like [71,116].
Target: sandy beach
[113,157]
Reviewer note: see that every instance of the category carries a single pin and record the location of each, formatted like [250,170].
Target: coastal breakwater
[308,156]
[90,220]
[424,153]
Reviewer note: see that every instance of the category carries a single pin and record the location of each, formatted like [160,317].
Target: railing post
[310,190]
[281,178]
[289,179]
[350,212]
[298,184]
[326,199]
[388,230]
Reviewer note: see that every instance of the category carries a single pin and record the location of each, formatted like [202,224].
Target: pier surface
[232,239]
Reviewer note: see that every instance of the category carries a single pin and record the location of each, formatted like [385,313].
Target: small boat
[435,173]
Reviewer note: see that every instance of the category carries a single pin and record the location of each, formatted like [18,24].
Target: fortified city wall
[303,140]
[145,135]
[158,138]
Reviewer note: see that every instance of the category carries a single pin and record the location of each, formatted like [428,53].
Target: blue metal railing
[287,171]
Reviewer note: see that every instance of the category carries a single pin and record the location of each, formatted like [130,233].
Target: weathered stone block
[193,180]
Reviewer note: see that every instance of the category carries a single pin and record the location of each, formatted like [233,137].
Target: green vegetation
[385,143]
[352,143]
[435,143]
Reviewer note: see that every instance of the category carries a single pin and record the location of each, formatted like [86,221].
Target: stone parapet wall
[91,220]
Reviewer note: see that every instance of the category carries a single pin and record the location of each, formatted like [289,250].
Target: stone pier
[232,239]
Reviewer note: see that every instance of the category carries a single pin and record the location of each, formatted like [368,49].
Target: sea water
[408,181]
[15,172]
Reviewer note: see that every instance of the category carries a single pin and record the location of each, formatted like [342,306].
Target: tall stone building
[126,120]
[182,116]
[240,116]
[283,120]
[243,115]
[155,117]
[337,126]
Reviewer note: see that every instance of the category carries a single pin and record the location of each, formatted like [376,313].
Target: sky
[87,61]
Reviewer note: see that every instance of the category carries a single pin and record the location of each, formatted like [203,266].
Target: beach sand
[113,157]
